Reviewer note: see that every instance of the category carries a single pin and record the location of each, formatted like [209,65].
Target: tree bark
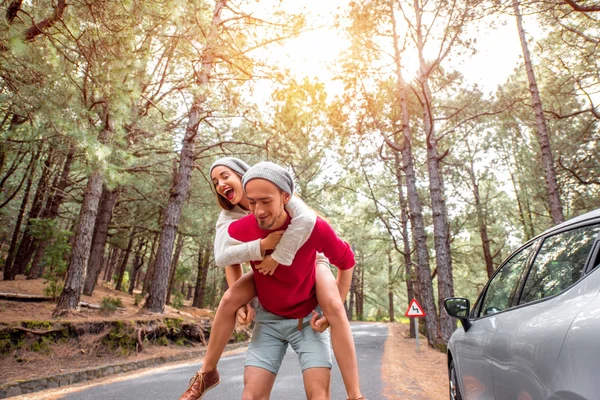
[112,264]
[150,268]
[179,190]
[410,279]
[441,236]
[203,259]
[556,211]
[123,266]
[425,287]
[105,212]
[390,288]
[352,297]
[173,269]
[481,221]
[51,212]
[10,266]
[137,264]
[71,294]
[27,245]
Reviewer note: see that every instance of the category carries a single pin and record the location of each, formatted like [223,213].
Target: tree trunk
[481,221]
[37,269]
[203,259]
[180,187]
[542,130]
[105,212]
[123,266]
[27,244]
[150,269]
[410,279]
[71,294]
[174,262]
[441,234]
[10,266]
[352,297]
[112,264]
[137,264]
[361,303]
[390,288]
[425,287]
[111,254]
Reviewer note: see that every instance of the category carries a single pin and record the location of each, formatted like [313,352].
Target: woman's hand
[267,266]
[271,241]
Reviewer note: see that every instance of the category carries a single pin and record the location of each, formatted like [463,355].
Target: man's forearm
[344,280]
[233,273]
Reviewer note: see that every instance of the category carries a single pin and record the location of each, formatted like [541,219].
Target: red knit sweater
[290,291]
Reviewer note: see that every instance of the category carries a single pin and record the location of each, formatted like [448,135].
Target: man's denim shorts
[271,336]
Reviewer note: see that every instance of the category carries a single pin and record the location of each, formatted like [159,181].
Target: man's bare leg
[258,383]
[316,383]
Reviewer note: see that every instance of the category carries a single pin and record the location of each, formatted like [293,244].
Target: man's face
[266,203]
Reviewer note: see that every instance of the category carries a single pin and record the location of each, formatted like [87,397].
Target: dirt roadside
[410,375]
[22,363]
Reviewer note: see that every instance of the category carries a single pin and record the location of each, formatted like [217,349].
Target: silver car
[534,332]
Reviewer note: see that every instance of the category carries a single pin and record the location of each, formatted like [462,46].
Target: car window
[559,263]
[502,289]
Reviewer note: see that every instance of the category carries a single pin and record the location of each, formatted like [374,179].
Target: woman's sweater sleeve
[229,251]
[297,233]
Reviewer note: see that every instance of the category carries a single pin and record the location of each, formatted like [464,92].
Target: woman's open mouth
[229,194]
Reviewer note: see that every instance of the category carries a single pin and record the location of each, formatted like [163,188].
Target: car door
[529,338]
[472,347]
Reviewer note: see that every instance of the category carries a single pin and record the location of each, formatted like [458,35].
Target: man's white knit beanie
[271,172]
[235,164]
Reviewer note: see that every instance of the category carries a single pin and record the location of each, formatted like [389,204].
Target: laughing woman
[226,174]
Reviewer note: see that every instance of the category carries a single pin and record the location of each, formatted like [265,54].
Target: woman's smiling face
[227,184]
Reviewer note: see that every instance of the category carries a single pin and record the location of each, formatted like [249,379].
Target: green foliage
[55,261]
[36,325]
[137,299]
[173,323]
[178,300]
[162,341]
[121,338]
[125,283]
[111,304]
[42,344]
[5,343]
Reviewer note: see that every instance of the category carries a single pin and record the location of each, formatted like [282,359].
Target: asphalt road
[167,384]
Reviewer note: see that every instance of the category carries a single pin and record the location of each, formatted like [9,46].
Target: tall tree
[71,294]
[200,290]
[542,129]
[179,190]
[107,203]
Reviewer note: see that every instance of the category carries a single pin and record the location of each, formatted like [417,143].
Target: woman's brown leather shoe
[200,384]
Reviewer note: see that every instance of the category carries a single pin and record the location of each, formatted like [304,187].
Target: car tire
[454,389]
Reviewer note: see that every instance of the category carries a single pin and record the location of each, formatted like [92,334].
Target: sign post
[415,311]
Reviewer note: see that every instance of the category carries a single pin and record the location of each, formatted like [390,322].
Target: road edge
[17,388]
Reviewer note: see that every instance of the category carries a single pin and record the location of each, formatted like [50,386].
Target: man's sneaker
[200,384]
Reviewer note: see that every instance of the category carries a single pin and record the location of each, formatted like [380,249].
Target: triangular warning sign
[415,309]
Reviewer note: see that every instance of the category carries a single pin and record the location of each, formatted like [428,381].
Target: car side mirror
[458,307]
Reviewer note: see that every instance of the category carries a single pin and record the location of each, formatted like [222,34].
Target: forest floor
[22,363]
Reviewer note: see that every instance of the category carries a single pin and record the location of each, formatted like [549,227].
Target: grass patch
[111,304]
